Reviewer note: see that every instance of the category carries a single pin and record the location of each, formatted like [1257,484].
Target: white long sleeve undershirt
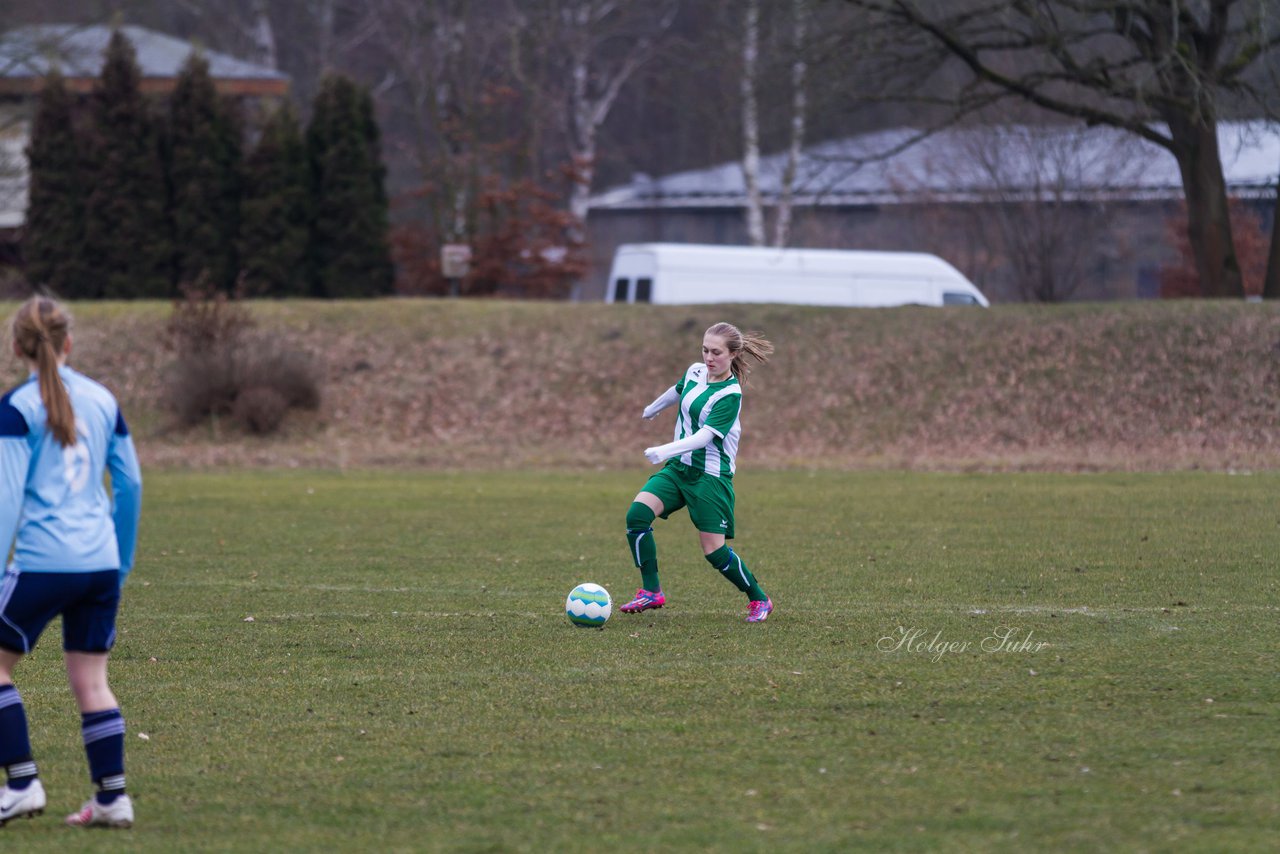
[668,398]
[698,440]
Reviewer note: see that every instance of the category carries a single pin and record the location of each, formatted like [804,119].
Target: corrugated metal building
[1093,206]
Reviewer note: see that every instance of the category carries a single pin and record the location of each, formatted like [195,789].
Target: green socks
[727,562]
[644,551]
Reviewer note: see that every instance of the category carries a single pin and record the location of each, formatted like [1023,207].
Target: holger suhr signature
[1003,639]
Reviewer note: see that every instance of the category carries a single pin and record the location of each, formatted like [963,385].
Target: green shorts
[709,499]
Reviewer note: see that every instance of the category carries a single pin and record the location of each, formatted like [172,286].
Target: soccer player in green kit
[700,467]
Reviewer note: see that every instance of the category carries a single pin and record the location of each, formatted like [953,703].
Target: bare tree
[1050,232]
[799,105]
[1162,70]
[303,38]
[441,64]
[590,50]
[247,22]
[1271,282]
[796,67]
[751,122]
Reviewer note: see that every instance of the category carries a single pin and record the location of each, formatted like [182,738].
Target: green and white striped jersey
[714,405]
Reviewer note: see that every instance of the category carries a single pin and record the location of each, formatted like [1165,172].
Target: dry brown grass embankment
[492,384]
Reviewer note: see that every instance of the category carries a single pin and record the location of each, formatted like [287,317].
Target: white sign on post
[455,260]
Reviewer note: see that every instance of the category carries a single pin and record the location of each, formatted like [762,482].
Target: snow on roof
[966,165]
[77,51]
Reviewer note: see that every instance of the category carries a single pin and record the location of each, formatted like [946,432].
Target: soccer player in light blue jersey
[72,548]
[700,467]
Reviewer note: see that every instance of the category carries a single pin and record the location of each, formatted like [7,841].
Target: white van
[689,273]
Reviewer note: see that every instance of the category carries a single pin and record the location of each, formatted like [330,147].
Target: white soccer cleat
[27,802]
[118,813]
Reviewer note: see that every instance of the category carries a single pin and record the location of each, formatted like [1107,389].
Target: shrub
[1181,279]
[225,367]
[267,361]
[202,384]
[205,320]
[260,409]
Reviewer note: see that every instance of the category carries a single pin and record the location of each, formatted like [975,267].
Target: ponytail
[742,344]
[40,329]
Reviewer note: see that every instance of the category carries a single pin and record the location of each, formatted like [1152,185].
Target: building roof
[974,164]
[27,54]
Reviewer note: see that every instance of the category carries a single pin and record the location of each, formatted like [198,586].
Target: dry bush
[260,410]
[202,384]
[273,363]
[1181,279]
[224,367]
[204,320]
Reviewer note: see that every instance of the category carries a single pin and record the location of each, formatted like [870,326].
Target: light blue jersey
[54,498]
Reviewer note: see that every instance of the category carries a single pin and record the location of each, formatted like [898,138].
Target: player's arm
[15,458]
[697,441]
[670,397]
[126,492]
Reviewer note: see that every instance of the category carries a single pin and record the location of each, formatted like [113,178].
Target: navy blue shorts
[87,602]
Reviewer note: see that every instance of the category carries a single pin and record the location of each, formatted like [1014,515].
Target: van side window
[644,289]
[956,298]
[620,290]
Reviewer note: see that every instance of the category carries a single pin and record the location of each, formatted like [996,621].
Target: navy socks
[104,746]
[15,743]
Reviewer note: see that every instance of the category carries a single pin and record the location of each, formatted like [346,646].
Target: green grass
[409,682]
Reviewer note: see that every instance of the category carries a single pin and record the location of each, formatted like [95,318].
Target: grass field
[408,681]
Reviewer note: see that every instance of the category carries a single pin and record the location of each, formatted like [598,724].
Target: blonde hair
[742,344]
[40,329]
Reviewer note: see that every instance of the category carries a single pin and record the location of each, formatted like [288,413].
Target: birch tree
[751,122]
[794,106]
[799,107]
[596,47]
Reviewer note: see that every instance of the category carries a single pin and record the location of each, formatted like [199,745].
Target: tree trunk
[786,199]
[583,152]
[1208,221]
[594,90]
[751,125]
[1271,285]
[264,37]
[324,33]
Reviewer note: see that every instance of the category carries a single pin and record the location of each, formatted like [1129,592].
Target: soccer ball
[588,605]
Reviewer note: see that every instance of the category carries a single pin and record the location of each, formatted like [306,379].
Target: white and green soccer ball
[588,605]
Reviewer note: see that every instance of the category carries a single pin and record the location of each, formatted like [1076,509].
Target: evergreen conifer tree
[127,241]
[349,254]
[275,210]
[54,232]
[204,177]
